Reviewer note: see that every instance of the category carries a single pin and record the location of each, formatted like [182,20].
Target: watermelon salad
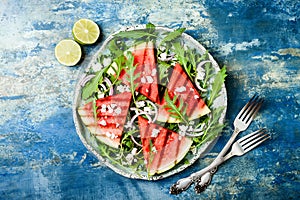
[148,101]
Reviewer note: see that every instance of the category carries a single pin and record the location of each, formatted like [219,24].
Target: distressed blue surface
[41,156]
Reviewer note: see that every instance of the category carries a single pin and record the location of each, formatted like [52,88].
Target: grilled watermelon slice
[111,116]
[181,86]
[145,62]
[162,148]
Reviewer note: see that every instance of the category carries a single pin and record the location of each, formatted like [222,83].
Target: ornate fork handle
[205,180]
[184,183]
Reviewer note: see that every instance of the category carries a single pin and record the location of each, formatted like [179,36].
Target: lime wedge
[68,52]
[85,31]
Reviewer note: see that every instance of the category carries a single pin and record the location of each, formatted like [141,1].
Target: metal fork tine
[251,107]
[250,136]
[253,112]
[256,142]
[245,108]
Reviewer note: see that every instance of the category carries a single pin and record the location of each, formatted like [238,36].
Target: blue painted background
[41,156]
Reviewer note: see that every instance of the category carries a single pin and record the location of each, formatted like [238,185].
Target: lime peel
[68,52]
[85,31]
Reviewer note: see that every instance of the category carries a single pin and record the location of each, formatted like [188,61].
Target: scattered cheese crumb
[118,110]
[180,89]
[155,132]
[153,72]
[102,122]
[149,79]
[140,104]
[153,149]
[143,79]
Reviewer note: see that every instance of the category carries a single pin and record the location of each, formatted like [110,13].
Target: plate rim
[204,149]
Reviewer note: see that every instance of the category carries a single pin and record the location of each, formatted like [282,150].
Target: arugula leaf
[217,85]
[91,87]
[176,112]
[163,70]
[182,58]
[131,77]
[150,27]
[173,35]
[136,34]
[213,127]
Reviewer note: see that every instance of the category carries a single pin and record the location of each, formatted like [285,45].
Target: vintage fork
[241,123]
[239,148]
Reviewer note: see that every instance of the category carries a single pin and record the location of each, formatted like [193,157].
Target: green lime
[85,31]
[68,52]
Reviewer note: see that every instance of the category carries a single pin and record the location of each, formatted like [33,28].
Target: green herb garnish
[177,112]
[173,35]
[131,77]
[217,85]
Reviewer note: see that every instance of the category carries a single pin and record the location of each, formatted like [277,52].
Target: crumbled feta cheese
[96,66]
[153,149]
[196,97]
[140,104]
[163,56]
[113,136]
[123,88]
[106,62]
[180,137]
[134,151]
[118,110]
[155,132]
[143,79]
[117,125]
[110,110]
[183,127]
[102,122]
[153,72]
[182,130]
[113,105]
[149,79]
[129,158]
[120,88]
[180,89]
[147,109]
[191,89]
[103,108]
[108,134]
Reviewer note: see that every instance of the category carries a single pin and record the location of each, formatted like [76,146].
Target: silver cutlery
[241,123]
[239,148]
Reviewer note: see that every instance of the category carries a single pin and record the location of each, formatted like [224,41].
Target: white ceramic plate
[92,144]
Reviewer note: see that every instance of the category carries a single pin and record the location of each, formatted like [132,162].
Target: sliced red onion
[200,65]
[155,108]
[195,135]
[134,141]
[199,131]
[103,86]
[132,120]
[111,90]
[138,114]
[85,79]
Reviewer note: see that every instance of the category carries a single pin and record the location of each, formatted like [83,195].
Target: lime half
[68,52]
[85,31]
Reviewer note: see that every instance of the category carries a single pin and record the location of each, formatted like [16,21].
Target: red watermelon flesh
[144,60]
[181,86]
[162,148]
[111,116]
